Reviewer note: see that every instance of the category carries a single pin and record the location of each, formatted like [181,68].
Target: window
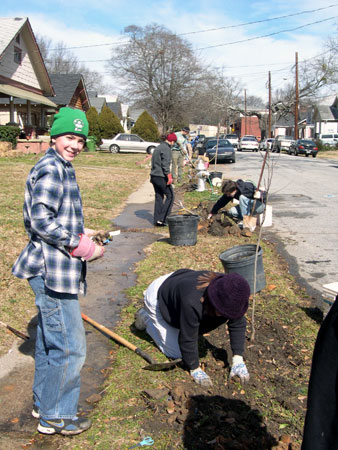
[17,39]
[135,138]
[123,137]
[17,55]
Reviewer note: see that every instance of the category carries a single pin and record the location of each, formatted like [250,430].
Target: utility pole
[269,126]
[296,99]
[244,111]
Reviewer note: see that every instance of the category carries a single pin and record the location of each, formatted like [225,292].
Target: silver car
[124,142]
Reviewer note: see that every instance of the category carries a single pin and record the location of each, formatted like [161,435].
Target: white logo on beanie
[78,124]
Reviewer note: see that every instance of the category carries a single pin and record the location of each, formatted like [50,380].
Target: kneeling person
[180,306]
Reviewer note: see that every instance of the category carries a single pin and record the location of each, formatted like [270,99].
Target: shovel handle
[118,338]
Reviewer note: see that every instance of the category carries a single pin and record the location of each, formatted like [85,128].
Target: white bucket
[330,292]
[267,219]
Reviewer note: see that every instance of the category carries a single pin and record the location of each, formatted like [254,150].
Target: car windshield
[248,139]
[221,143]
[305,141]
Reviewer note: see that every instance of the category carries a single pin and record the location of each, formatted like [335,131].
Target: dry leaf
[271,287]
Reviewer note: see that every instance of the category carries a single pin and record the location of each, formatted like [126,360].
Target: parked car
[303,147]
[224,152]
[248,143]
[282,143]
[233,139]
[330,139]
[124,142]
[266,144]
[201,147]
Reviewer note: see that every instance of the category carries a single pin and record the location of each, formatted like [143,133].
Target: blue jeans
[245,206]
[60,352]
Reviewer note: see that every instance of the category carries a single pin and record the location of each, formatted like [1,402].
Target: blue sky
[95,23]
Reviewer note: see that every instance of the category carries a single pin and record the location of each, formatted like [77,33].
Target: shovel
[155,366]
[251,221]
[16,332]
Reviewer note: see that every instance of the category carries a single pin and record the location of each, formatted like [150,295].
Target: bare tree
[58,59]
[159,71]
[316,75]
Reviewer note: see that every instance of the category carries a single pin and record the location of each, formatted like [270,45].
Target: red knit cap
[229,294]
[172,137]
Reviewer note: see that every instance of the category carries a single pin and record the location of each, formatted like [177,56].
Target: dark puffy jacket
[246,188]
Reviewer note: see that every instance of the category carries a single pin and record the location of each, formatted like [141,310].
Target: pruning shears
[147,441]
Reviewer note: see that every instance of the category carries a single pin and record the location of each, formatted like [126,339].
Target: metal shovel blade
[162,366]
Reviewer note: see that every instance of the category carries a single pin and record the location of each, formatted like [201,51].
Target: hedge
[9,133]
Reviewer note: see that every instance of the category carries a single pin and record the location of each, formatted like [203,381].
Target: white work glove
[239,369]
[209,216]
[200,377]
[257,195]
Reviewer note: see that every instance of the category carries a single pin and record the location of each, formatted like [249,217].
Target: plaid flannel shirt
[53,219]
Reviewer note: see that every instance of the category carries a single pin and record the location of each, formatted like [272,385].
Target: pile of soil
[218,225]
[227,415]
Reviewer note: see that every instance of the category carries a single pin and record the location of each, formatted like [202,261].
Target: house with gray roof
[70,90]
[325,116]
[25,87]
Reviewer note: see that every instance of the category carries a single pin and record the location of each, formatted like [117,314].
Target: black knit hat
[229,295]
[186,129]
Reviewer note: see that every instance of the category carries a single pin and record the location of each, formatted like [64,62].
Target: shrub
[109,123]
[9,133]
[145,126]
[94,125]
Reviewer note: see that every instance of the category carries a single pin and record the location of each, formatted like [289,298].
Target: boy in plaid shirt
[54,263]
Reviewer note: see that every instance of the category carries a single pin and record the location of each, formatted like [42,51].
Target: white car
[248,143]
[266,144]
[124,142]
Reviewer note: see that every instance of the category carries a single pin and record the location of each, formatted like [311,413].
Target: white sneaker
[140,319]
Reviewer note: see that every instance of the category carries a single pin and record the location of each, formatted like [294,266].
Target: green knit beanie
[70,121]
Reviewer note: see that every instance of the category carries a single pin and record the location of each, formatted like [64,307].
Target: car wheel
[314,155]
[239,149]
[150,150]
[306,155]
[114,148]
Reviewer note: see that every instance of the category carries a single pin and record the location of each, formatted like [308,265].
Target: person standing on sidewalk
[54,263]
[179,152]
[161,179]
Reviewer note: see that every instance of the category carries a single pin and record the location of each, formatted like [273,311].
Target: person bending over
[245,193]
[180,306]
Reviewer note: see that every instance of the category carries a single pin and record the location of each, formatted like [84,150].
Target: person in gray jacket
[161,179]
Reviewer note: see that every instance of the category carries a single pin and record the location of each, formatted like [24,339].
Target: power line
[258,21]
[268,35]
[211,29]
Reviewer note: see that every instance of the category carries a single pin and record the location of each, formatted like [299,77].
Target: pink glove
[170,178]
[87,249]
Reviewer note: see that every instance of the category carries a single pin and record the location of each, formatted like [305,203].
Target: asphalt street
[303,193]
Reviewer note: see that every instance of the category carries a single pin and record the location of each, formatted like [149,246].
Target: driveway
[303,195]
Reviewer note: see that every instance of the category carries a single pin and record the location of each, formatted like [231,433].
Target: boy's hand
[87,249]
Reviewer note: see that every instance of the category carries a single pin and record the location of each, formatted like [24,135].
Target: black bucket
[241,259]
[183,229]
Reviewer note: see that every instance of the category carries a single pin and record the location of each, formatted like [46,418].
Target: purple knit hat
[229,295]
